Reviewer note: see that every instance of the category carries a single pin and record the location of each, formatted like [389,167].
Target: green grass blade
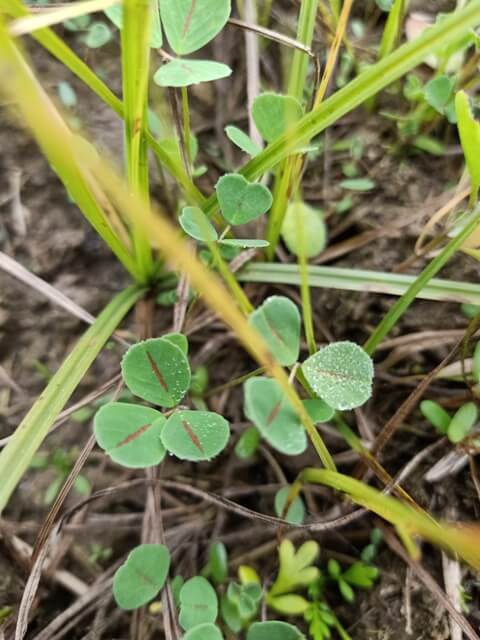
[365,86]
[361,280]
[43,119]
[393,28]
[29,435]
[62,52]
[137,20]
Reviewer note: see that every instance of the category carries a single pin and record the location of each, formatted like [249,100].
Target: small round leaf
[157,371]
[341,374]
[268,408]
[242,141]
[274,630]
[198,603]
[247,443]
[184,73]
[274,114]
[204,632]
[191,24]
[296,511]
[196,224]
[142,576]
[436,415]
[97,35]
[242,201]
[312,239]
[462,422]
[318,410]
[278,322]
[130,434]
[195,435]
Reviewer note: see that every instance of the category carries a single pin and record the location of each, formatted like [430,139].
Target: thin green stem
[29,435]
[186,125]
[305,288]
[399,308]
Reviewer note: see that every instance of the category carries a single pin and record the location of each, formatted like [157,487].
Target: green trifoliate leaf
[245,243]
[184,73]
[341,374]
[274,630]
[242,201]
[130,434]
[278,322]
[97,35]
[242,141]
[469,130]
[318,410]
[196,224]
[142,576]
[195,435]
[157,371]
[436,415]
[191,24]
[198,603]
[462,422]
[274,114]
[304,230]
[204,632]
[273,415]
[296,511]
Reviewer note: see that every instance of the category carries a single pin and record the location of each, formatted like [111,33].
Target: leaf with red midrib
[195,435]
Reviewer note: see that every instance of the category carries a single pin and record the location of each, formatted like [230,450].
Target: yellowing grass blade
[48,126]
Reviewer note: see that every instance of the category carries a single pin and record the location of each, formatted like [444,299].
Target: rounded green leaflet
[242,141]
[142,576]
[247,443]
[196,224]
[198,603]
[191,24]
[218,562]
[310,240]
[195,435]
[296,511]
[462,422]
[273,415]
[245,243]
[318,410]
[97,35]
[130,434]
[204,632]
[274,630]
[278,321]
[178,339]
[436,415]
[341,374]
[242,201]
[184,73]
[157,371]
[274,114]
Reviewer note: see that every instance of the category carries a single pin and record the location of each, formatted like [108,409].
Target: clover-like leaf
[142,576]
[178,339]
[242,141]
[98,34]
[191,24]
[462,422]
[274,630]
[184,73]
[130,434]
[296,511]
[242,201]
[205,631]
[157,371]
[274,114]
[341,374]
[273,415]
[245,243]
[196,224]
[296,568]
[278,322]
[304,230]
[195,435]
[318,410]
[198,603]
